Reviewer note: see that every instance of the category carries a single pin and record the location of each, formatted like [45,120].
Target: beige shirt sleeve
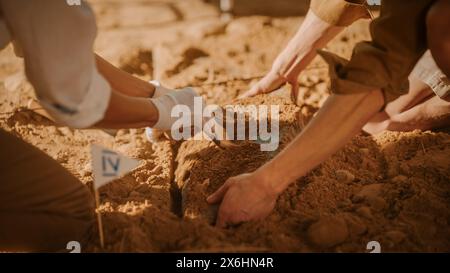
[428,72]
[340,12]
[56,41]
[398,42]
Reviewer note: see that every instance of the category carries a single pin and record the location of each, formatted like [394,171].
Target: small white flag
[108,165]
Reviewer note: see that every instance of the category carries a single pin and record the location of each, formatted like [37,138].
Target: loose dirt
[393,188]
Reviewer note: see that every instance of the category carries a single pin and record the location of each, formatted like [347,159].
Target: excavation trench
[175,190]
[200,167]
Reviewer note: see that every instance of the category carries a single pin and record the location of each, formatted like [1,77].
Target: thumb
[218,195]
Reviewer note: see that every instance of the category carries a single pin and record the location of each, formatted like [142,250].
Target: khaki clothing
[42,206]
[340,12]
[398,42]
[56,41]
[428,71]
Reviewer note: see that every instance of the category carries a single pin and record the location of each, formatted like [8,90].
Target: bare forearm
[122,81]
[128,112]
[341,117]
[313,34]
[129,106]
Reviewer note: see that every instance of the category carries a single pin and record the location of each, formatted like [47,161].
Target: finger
[294,91]
[255,90]
[221,221]
[226,219]
[236,218]
[219,194]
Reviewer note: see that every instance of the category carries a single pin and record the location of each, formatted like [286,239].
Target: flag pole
[107,165]
[99,217]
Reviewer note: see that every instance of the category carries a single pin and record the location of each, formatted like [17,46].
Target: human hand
[154,135]
[271,82]
[244,197]
[160,90]
[186,98]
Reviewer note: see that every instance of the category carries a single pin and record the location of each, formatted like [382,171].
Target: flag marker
[107,165]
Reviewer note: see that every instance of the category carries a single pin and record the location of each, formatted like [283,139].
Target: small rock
[357,199]
[369,191]
[399,179]
[134,194]
[365,212]
[328,232]
[371,195]
[344,176]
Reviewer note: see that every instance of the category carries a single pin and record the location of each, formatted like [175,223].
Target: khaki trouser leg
[42,206]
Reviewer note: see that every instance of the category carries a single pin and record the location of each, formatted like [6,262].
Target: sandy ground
[393,188]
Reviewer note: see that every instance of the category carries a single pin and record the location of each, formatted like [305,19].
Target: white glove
[164,100]
[159,89]
[167,102]
[153,135]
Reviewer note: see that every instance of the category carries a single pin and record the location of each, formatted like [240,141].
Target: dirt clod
[328,232]
[393,187]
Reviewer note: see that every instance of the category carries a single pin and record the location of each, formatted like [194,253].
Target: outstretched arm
[324,20]
[313,34]
[252,196]
[122,81]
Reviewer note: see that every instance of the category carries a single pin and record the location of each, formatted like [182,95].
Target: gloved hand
[159,89]
[153,135]
[164,100]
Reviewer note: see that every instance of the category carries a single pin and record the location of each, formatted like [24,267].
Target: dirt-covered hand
[244,198]
[269,83]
